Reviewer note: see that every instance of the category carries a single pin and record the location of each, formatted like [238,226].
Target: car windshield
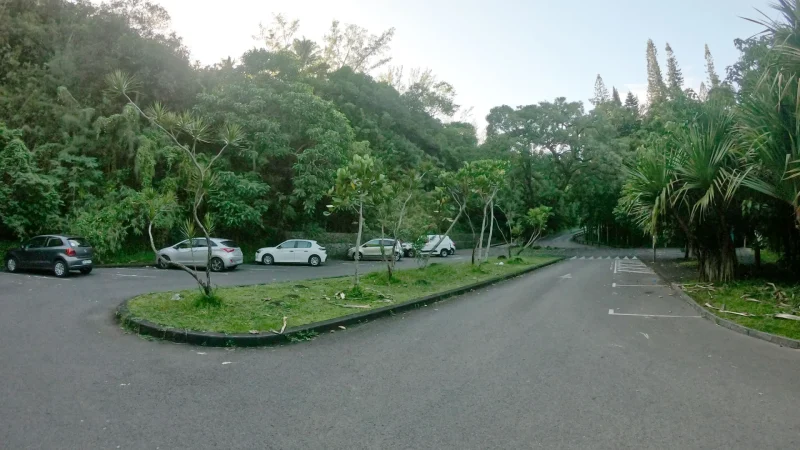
[231,244]
[78,242]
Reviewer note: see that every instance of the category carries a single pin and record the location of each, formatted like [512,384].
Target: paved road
[575,355]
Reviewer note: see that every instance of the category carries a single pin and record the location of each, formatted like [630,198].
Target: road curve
[576,355]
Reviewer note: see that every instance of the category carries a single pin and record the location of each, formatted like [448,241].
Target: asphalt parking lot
[592,353]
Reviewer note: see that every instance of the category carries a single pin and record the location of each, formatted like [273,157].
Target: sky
[513,52]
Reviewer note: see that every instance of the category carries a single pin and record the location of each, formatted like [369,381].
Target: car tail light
[229,250]
[71,252]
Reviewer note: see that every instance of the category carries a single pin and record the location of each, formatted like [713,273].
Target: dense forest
[707,170]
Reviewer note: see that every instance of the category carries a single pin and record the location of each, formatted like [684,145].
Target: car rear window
[231,244]
[78,242]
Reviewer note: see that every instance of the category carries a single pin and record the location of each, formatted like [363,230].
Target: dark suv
[60,254]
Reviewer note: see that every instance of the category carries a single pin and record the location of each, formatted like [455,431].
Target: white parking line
[129,275]
[612,313]
[637,285]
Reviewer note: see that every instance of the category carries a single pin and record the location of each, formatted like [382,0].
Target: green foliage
[29,200]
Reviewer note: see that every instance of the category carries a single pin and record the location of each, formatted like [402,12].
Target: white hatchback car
[445,248]
[225,254]
[293,251]
[372,250]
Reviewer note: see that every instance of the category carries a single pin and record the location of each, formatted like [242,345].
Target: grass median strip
[752,303]
[261,308]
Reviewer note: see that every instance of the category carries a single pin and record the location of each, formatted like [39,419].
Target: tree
[536,219]
[631,102]
[655,83]
[713,78]
[703,94]
[353,46]
[600,91]
[195,130]
[279,36]
[29,201]
[359,185]
[674,74]
[615,96]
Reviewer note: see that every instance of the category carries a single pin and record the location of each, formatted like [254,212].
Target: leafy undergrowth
[263,307]
[758,299]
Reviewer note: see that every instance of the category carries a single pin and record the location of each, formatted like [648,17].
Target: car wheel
[60,269]
[163,262]
[217,265]
[315,260]
[412,253]
[444,253]
[359,256]
[398,256]
[11,264]
[268,260]
[86,270]
[452,251]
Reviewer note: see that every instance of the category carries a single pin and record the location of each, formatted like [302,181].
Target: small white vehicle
[293,251]
[372,250]
[444,248]
[225,254]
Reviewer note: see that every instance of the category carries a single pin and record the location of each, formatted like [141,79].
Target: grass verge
[262,307]
[758,299]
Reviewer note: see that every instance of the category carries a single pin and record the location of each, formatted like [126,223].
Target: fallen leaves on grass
[787,316]
[285,320]
[354,306]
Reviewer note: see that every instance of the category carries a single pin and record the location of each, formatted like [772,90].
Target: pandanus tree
[769,128]
[190,135]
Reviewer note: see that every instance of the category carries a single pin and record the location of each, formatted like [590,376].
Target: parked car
[60,254]
[444,248]
[293,251]
[408,249]
[225,254]
[372,250]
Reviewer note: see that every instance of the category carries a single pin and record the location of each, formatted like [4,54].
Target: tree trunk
[757,255]
[654,248]
[491,229]
[390,261]
[358,237]
[718,265]
[483,227]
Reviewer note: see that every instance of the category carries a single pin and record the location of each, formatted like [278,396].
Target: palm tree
[769,115]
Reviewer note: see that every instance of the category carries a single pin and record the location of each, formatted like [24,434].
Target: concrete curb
[706,314]
[769,337]
[212,339]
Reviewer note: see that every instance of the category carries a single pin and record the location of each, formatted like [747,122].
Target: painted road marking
[631,267]
[637,285]
[612,313]
[130,275]
[569,275]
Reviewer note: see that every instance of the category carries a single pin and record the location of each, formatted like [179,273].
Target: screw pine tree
[655,82]
[674,74]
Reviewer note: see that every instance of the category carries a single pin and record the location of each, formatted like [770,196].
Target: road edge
[733,326]
[212,339]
